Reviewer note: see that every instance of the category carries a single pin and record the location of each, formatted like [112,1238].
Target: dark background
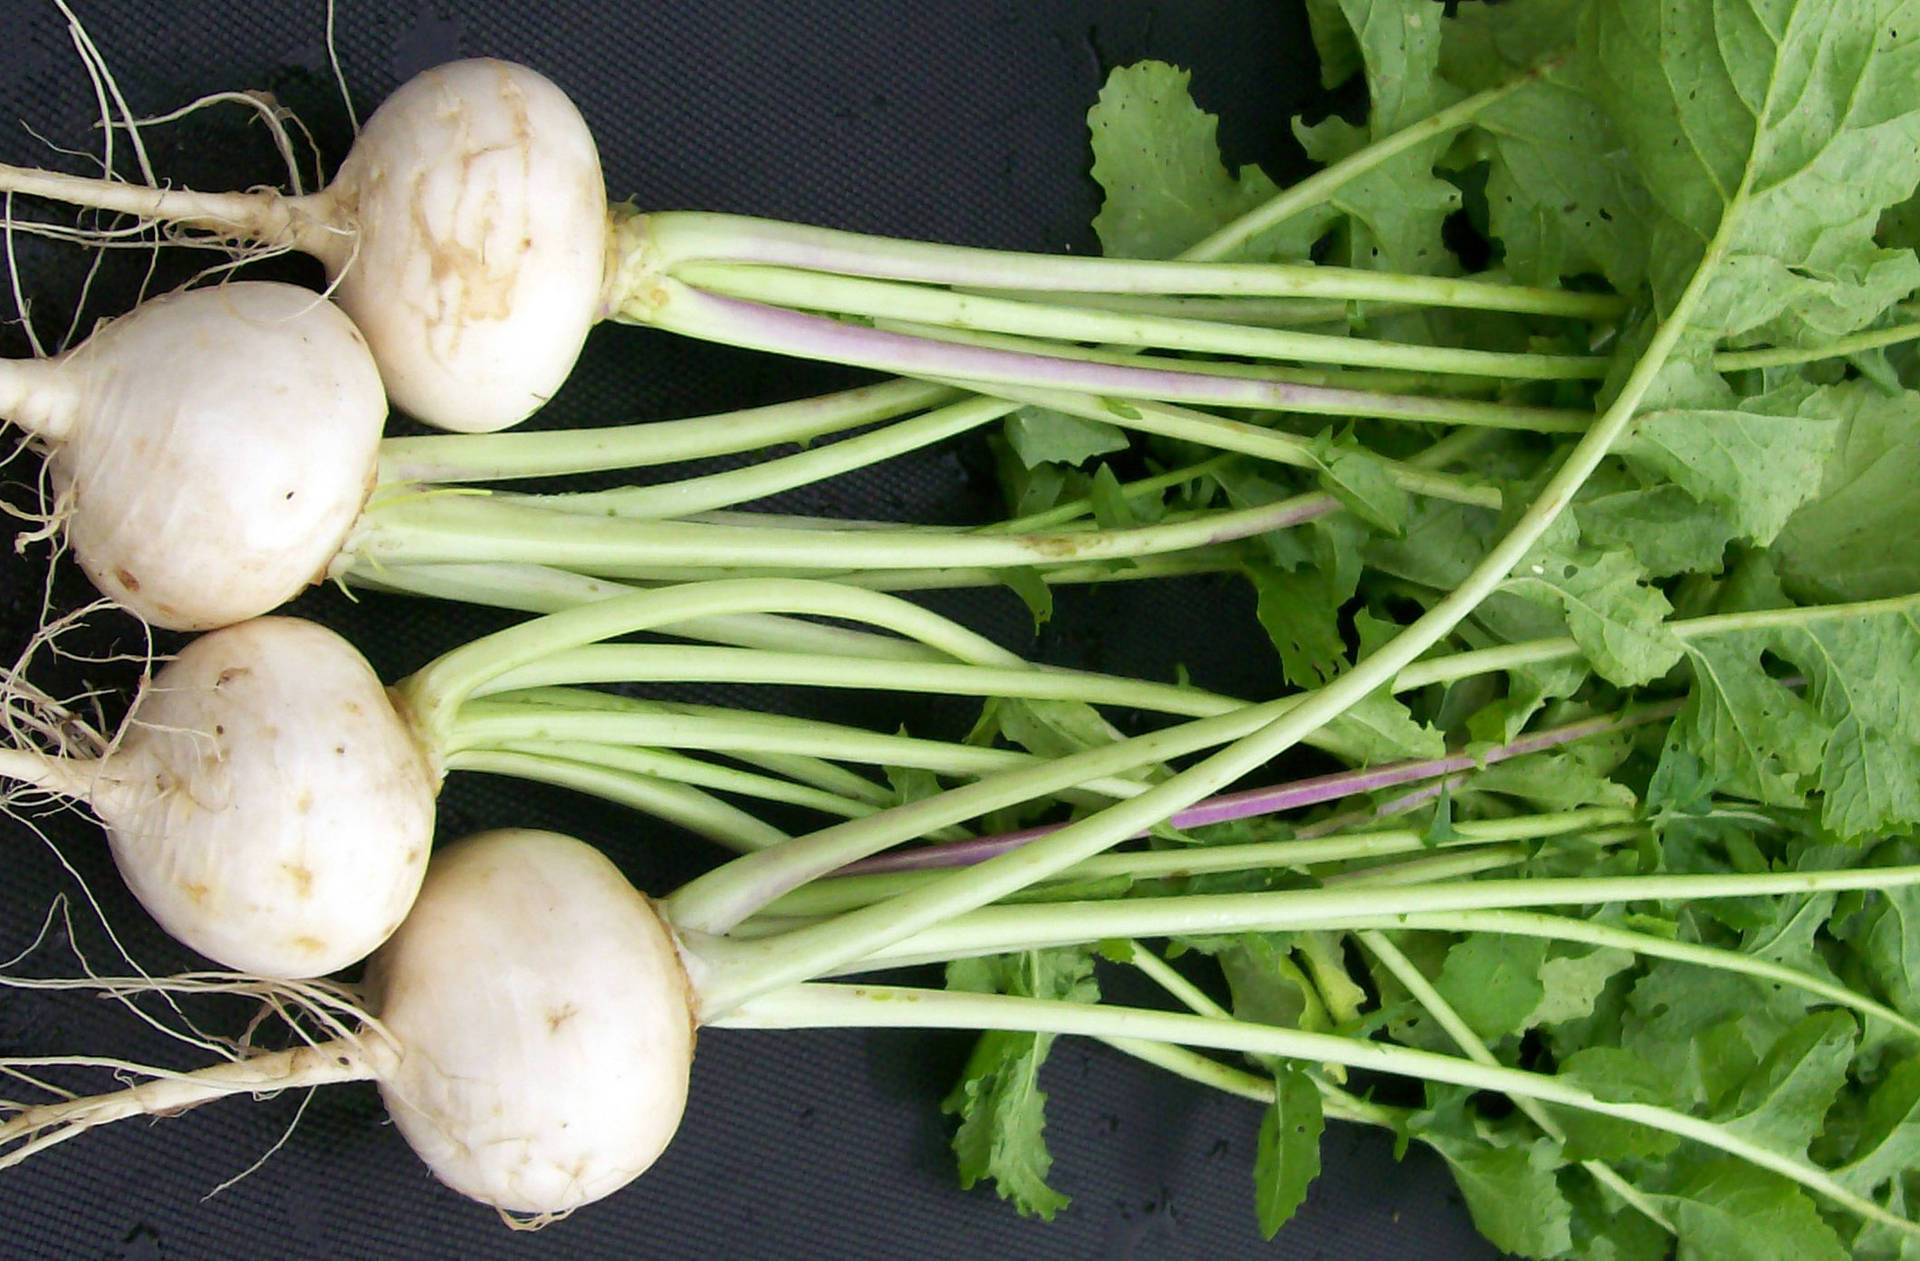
[950,121]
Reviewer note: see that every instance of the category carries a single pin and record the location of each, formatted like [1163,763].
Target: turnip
[264,801]
[208,452]
[468,233]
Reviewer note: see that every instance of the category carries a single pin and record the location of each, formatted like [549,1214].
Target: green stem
[848,296]
[1000,929]
[815,1006]
[1145,489]
[496,456]
[989,369]
[1200,1069]
[662,663]
[1605,936]
[433,694]
[456,529]
[1336,1102]
[1319,188]
[1386,381]
[1449,1020]
[677,803]
[1787,356]
[498,723]
[857,934]
[1166,420]
[677,241]
[801,769]
[1268,312]
[544,589]
[832,894]
[660,764]
[770,477]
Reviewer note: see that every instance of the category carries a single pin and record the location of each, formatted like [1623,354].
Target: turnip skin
[543,1020]
[210,450]
[266,803]
[472,241]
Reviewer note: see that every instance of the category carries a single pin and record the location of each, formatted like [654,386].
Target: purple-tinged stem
[757,326]
[1273,799]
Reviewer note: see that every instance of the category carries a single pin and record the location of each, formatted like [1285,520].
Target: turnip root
[543,1020]
[208,451]
[477,249]
[264,800]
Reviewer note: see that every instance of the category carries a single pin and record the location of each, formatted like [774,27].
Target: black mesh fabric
[949,121]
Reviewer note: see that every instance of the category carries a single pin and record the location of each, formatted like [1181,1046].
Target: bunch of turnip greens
[1734,535]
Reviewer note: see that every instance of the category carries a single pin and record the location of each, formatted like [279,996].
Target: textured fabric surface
[950,121]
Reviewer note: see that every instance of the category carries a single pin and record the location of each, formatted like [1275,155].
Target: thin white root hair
[286,1133]
[125,991]
[529,1222]
[339,76]
[105,86]
[336,1041]
[49,520]
[34,719]
[20,302]
[264,107]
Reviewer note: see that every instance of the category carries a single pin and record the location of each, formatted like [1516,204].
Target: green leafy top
[1742,173]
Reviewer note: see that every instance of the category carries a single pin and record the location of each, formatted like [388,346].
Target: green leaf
[1666,529]
[1111,511]
[911,783]
[1334,41]
[1032,590]
[1860,539]
[1442,544]
[1886,940]
[1362,483]
[1889,1141]
[1287,1153]
[1616,618]
[1747,732]
[1302,620]
[1155,154]
[1757,461]
[1727,1208]
[1784,1103]
[1561,780]
[1512,1193]
[1493,981]
[1001,1107]
[1053,728]
[1268,987]
[1861,673]
[1563,197]
[1382,729]
[1571,984]
[1040,435]
[1704,1032]
[1616,1076]
[1394,211]
[1771,134]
